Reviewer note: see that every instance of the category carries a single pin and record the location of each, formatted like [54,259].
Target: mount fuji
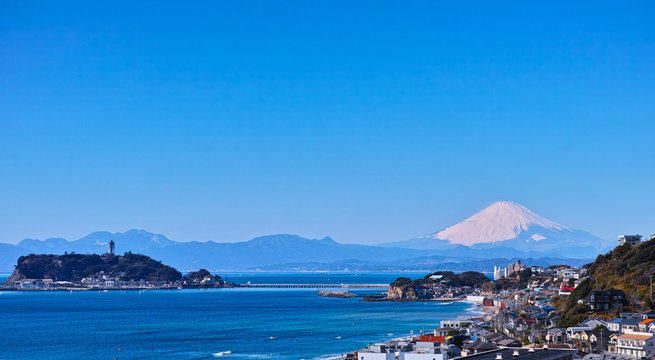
[508,225]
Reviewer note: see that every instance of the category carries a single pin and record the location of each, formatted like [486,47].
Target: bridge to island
[318,286]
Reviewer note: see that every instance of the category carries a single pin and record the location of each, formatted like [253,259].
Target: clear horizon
[365,122]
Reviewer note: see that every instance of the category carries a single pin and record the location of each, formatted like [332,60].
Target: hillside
[626,268]
[75,267]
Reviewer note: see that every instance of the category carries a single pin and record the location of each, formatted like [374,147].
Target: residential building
[607,300]
[593,322]
[555,335]
[476,347]
[611,343]
[522,354]
[376,352]
[635,345]
[630,239]
[441,331]
[592,341]
[576,329]
[630,325]
[454,323]
[29,284]
[614,325]
[515,268]
[498,273]
[645,325]
[648,315]
[365,355]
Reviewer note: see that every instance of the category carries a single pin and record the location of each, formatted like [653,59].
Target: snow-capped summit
[508,227]
[503,220]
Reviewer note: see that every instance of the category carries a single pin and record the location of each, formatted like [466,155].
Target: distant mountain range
[503,231]
[260,251]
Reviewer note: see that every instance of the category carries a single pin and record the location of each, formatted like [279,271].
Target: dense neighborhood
[530,312]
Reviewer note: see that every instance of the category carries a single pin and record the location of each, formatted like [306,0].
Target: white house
[630,325]
[635,345]
[631,239]
[376,356]
[651,327]
[453,323]
[593,322]
[419,356]
[377,352]
[614,325]
[645,325]
[576,329]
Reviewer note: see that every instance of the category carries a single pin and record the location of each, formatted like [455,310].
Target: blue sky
[363,121]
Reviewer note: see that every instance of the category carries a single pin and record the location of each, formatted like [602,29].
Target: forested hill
[405,289]
[628,268]
[75,267]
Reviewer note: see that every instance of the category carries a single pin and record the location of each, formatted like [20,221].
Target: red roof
[432,338]
[564,288]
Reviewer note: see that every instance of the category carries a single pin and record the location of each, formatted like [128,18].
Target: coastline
[473,310]
[345,325]
[82,289]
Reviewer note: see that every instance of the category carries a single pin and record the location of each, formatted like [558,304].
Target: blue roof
[617,320]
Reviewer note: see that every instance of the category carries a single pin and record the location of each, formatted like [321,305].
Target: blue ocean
[238,323]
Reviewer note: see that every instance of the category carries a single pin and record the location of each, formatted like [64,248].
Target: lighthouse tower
[111,247]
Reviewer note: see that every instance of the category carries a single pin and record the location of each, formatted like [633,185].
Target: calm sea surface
[206,324]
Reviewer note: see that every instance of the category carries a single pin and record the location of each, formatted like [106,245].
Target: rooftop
[432,338]
[635,336]
[524,354]
[630,321]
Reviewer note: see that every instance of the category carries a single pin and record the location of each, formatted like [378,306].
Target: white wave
[222,353]
[257,356]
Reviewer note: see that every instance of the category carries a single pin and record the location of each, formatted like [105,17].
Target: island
[103,272]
